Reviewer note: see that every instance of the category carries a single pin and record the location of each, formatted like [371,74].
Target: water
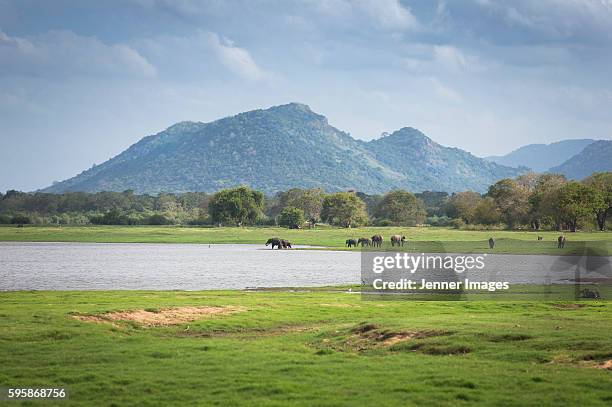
[102,266]
[126,266]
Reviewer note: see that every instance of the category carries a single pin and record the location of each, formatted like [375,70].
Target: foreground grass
[419,239]
[299,348]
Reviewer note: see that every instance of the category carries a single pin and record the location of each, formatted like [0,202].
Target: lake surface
[102,266]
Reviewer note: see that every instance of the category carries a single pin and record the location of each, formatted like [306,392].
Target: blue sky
[80,81]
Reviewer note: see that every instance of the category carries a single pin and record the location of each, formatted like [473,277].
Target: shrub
[21,220]
[457,223]
[291,217]
[158,219]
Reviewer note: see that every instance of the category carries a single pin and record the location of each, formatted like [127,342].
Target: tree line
[535,201]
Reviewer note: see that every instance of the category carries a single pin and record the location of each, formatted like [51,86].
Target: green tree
[602,183]
[512,200]
[486,212]
[21,219]
[310,201]
[461,205]
[401,208]
[578,202]
[291,217]
[344,209]
[543,200]
[236,206]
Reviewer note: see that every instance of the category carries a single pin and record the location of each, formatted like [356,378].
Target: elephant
[561,242]
[377,240]
[286,244]
[587,293]
[364,241]
[275,241]
[397,240]
[491,243]
[351,243]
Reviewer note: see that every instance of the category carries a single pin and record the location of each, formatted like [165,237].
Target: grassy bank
[307,348]
[420,239]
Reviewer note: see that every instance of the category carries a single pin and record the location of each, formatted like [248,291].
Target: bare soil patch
[569,306]
[367,336]
[160,317]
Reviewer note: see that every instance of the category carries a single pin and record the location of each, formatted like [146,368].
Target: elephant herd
[278,243]
[375,241]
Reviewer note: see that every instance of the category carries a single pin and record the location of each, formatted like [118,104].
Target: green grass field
[319,347]
[419,239]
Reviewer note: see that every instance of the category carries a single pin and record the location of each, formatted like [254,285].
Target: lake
[127,266]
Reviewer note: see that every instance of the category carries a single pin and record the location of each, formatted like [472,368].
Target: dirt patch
[160,317]
[509,337]
[367,336]
[569,306]
[339,305]
[605,365]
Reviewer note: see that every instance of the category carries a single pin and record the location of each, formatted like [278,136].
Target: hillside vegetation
[280,148]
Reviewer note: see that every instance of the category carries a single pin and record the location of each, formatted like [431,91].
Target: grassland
[308,348]
[419,239]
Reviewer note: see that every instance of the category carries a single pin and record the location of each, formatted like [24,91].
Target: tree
[543,200]
[21,219]
[310,201]
[486,212]
[461,205]
[602,183]
[237,206]
[158,219]
[401,208]
[291,217]
[578,202]
[434,202]
[344,209]
[512,200]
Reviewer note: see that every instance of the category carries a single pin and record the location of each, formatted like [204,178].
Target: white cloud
[64,53]
[238,60]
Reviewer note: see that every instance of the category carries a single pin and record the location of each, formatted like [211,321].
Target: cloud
[389,14]
[64,53]
[385,14]
[237,60]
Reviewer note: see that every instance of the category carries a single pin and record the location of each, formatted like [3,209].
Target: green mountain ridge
[280,148]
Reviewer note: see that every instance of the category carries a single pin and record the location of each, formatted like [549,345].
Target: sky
[80,81]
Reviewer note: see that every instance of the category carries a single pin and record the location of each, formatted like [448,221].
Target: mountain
[280,148]
[429,166]
[541,157]
[596,157]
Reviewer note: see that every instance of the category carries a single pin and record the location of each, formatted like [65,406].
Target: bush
[5,220]
[438,221]
[457,223]
[21,220]
[384,222]
[291,217]
[158,219]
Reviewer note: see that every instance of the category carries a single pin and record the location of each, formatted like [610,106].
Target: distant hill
[541,157]
[280,148]
[596,157]
[426,165]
